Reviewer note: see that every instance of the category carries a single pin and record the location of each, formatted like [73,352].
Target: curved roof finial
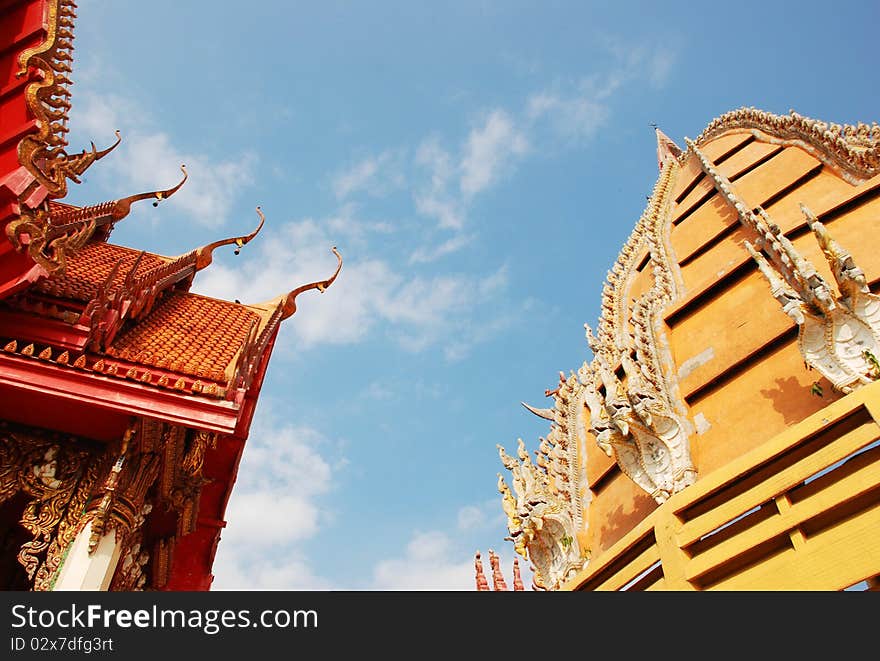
[288,303]
[121,208]
[204,255]
[101,154]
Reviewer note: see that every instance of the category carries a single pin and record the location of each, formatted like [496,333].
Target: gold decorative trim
[44,154]
[205,255]
[58,474]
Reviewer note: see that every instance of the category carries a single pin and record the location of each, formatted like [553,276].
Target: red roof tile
[188,334]
[89,267]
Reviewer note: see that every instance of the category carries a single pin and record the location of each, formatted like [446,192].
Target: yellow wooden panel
[765,181]
[745,158]
[779,483]
[632,569]
[730,168]
[718,147]
[691,199]
[834,559]
[852,486]
[600,562]
[776,446]
[708,221]
[685,177]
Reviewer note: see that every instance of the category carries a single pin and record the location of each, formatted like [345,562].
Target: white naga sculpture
[837,335]
[635,424]
[545,511]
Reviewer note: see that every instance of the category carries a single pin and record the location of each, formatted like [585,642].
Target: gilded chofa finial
[121,208]
[101,154]
[205,254]
[288,301]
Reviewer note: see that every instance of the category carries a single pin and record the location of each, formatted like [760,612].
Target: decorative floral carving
[131,572]
[635,424]
[123,491]
[57,474]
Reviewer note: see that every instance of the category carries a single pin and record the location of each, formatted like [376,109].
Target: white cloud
[489,150]
[376,175]
[274,507]
[444,560]
[426,565]
[451,245]
[660,66]
[433,199]
[418,311]
[576,117]
[470,517]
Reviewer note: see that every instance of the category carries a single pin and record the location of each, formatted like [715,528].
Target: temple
[722,432]
[125,400]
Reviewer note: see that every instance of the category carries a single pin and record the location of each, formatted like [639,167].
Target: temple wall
[734,351]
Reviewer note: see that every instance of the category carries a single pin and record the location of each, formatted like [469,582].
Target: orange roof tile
[89,267]
[188,334]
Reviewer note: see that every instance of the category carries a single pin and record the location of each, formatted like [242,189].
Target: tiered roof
[93,333]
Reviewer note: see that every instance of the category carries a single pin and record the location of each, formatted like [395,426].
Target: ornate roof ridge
[50,237]
[854,150]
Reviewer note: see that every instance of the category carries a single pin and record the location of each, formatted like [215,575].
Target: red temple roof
[89,268]
[92,333]
[189,334]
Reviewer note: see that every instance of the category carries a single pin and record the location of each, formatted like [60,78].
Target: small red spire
[517,577]
[497,576]
[482,583]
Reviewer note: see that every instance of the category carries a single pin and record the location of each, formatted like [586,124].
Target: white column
[81,571]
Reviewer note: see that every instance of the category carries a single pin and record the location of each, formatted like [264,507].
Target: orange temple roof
[188,334]
[89,268]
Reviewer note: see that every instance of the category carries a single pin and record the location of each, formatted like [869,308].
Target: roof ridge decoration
[44,154]
[546,512]
[288,301]
[666,148]
[49,237]
[837,335]
[137,295]
[851,151]
[482,583]
[284,307]
[637,424]
[205,255]
[634,424]
[651,232]
[648,416]
[498,582]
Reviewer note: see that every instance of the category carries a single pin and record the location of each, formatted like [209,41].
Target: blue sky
[478,165]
